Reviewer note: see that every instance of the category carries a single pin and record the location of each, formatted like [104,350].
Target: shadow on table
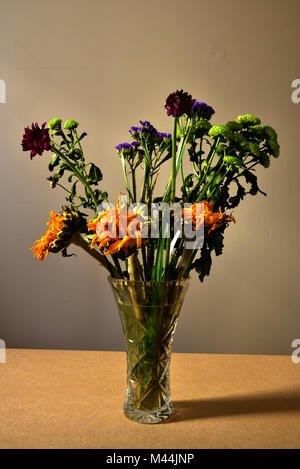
[254,403]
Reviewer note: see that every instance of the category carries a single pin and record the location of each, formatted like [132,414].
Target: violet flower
[203,110]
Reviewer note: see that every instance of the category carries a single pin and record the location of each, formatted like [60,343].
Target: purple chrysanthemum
[179,103]
[36,140]
[203,110]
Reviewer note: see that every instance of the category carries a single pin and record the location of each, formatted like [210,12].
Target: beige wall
[109,64]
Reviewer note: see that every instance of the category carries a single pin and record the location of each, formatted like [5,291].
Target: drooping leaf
[54,162]
[95,174]
[64,253]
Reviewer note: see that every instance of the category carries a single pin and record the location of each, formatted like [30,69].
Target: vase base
[148,416]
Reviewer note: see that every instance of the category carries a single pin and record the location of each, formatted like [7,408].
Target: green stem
[145,262]
[117,264]
[211,157]
[125,177]
[173,174]
[77,173]
[133,184]
[80,147]
[178,161]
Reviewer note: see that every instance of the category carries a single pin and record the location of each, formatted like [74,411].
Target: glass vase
[149,312]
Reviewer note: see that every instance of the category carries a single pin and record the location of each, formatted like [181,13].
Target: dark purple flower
[203,110]
[164,135]
[145,129]
[134,131]
[36,140]
[124,147]
[179,103]
[135,144]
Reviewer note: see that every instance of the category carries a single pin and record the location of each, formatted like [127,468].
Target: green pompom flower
[239,139]
[274,148]
[55,125]
[265,160]
[221,149]
[254,148]
[257,131]
[219,131]
[198,130]
[270,133]
[234,125]
[232,160]
[248,120]
[202,127]
[71,125]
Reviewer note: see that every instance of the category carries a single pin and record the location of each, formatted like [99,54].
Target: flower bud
[232,160]
[54,124]
[71,125]
[248,120]
[219,131]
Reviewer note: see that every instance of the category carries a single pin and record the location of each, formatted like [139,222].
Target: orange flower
[42,246]
[211,219]
[108,226]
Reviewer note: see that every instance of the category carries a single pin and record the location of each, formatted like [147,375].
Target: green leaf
[100,196]
[83,201]
[95,174]
[166,158]
[84,134]
[218,243]
[203,265]
[54,162]
[73,189]
[64,253]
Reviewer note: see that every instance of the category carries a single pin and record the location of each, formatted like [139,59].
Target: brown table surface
[74,399]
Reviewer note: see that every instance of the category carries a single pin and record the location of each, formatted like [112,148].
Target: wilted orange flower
[109,226]
[42,246]
[211,219]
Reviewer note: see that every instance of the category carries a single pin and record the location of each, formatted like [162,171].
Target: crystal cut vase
[149,312]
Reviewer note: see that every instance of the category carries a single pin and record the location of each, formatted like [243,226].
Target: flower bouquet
[150,243]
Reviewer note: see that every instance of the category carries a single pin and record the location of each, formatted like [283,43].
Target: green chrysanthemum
[274,148]
[221,149]
[234,125]
[239,139]
[265,160]
[257,131]
[270,133]
[248,120]
[232,160]
[202,127]
[55,125]
[199,129]
[254,148]
[219,131]
[71,125]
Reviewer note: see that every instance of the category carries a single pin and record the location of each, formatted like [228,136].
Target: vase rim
[148,282]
